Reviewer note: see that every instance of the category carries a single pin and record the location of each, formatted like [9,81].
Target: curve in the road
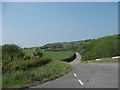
[86,76]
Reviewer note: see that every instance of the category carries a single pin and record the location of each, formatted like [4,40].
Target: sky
[31,24]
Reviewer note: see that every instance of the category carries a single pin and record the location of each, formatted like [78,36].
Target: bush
[25,64]
[37,52]
[27,57]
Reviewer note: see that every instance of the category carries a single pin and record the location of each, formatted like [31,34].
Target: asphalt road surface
[92,75]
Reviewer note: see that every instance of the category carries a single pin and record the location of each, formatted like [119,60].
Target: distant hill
[100,48]
[64,45]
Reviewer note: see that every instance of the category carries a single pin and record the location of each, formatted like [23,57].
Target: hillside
[73,45]
[100,48]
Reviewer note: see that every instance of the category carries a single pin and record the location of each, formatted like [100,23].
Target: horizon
[36,24]
[58,42]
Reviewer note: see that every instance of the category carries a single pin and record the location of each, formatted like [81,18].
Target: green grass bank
[30,76]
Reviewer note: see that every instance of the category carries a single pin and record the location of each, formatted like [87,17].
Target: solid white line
[80,82]
[75,75]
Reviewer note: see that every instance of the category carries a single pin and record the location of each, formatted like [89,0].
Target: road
[95,75]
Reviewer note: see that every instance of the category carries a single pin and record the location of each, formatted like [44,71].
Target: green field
[29,51]
[58,55]
[54,55]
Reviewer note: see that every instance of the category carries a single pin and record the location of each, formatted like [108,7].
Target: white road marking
[116,57]
[75,75]
[79,79]
[98,59]
[80,82]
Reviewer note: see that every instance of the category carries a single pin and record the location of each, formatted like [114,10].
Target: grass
[58,55]
[46,72]
[100,48]
[29,51]
[39,74]
[103,60]
[54,55]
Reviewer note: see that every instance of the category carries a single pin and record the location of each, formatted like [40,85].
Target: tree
[11,51]
[37,52]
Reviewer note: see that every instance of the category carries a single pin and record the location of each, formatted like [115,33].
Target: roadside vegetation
[41,74]
[100,48]
[22,66]
[103,60]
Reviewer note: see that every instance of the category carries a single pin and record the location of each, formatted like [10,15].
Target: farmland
[58,55]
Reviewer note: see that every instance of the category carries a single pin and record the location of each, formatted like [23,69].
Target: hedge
[70,58]
[25,64]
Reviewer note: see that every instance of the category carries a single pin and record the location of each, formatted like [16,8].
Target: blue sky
[30,24]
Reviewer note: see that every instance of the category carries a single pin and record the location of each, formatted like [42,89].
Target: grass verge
[47,72]
[107,60]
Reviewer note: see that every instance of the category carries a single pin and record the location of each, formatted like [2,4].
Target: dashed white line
[79,79]
[80,82]
[75,75]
